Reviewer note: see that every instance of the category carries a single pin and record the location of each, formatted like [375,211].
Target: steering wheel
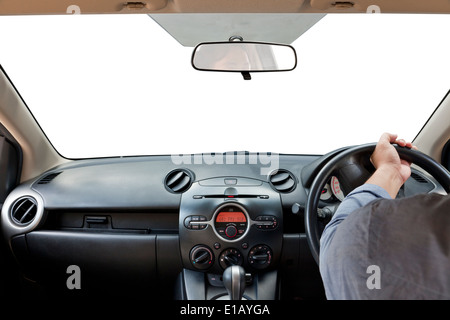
[359,156]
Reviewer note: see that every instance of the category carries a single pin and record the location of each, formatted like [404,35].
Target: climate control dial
[260,256]
[201,257]
[230,257]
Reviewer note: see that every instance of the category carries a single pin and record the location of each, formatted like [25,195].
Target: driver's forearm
[354,200]
[388,178]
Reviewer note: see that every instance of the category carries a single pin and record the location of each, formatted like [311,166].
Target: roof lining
[33,7]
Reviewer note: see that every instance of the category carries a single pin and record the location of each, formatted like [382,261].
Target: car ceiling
[13,7]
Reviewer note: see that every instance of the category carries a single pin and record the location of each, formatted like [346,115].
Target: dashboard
[138,225]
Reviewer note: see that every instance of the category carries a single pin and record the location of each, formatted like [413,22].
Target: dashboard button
[193,222]
[266,222]
[187,222]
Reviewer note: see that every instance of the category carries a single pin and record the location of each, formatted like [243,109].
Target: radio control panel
[221,225]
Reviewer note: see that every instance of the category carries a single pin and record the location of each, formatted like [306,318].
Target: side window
[10,164]
[446,155]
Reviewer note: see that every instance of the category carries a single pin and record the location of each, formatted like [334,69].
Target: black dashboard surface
[138,182]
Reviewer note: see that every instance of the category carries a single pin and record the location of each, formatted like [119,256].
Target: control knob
[231,231]
[260,256]
[201,257]
[230,257]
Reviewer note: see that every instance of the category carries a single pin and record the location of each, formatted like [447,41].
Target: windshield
[118,85]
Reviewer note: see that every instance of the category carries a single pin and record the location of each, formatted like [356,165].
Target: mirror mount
[236,38]
[246,75]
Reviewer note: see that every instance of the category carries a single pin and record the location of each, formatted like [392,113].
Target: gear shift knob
[234,281]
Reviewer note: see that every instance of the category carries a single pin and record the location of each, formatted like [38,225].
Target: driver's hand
[391,171]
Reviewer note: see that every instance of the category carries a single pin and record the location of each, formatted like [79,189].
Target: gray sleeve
[354,200]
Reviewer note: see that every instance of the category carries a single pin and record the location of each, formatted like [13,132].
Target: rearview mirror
[244,57]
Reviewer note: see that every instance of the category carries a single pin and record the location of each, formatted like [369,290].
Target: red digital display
[227,216]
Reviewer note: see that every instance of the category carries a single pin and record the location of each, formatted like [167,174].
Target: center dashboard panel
[227,221]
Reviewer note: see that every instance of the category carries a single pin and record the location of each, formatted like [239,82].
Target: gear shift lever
[234,281]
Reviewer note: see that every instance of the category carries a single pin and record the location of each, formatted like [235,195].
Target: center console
[226,222]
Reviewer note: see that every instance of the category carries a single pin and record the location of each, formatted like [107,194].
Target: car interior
[197,225]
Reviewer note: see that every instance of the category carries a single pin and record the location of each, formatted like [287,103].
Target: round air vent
[282,181]
[24,210]
[178,180]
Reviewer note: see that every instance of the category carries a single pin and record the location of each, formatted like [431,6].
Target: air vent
[282,181]
[48,178]
[178,181]
[24,210]
[418,178]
